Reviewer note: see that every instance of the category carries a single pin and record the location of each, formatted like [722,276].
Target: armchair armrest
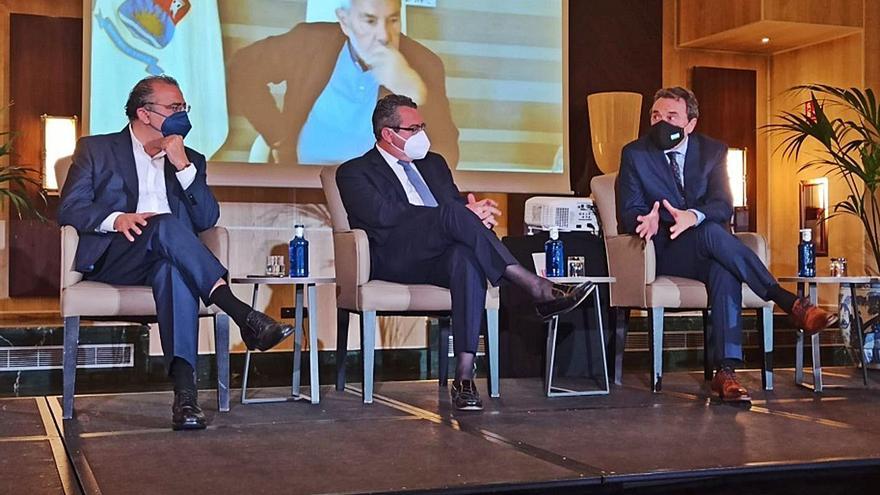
[757,244]
[633,262]
[216,239]
[352,257]
[69,241]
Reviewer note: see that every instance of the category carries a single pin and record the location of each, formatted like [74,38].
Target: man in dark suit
[334,73]
[421,230]
[138,198]
[686,174]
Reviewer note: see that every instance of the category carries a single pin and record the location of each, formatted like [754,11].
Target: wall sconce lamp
[736,173]
[59,141]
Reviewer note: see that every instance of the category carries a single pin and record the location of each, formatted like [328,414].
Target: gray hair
[678,93]
[143,91]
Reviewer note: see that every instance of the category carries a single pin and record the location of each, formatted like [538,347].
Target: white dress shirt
[411,194]
[152,194]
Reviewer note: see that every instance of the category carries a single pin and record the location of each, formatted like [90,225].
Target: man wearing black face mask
[138,198]
[422,231]
[686,174]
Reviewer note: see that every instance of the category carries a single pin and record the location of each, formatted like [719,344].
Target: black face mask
[665,135]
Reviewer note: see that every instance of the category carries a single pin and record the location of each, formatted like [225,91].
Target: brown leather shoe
[728,387]
[809,318]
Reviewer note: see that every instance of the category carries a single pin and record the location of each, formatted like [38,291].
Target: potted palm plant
[15,179]
[849,149]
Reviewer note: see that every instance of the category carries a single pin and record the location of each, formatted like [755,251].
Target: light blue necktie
[416,180]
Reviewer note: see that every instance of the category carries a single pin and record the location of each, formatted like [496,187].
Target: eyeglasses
[174,107]
[413,128]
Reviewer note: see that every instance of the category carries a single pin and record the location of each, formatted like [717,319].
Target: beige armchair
[82,299]
[355,292]
[632,262]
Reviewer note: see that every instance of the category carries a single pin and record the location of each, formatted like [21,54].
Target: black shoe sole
[567,309]
[276,339]
[468,408]
[188,426]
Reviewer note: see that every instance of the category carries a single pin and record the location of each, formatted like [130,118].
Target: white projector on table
[566,214]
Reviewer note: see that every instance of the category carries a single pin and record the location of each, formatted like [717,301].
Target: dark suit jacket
[376,202]
[645,176]
[304,57]
[103,179]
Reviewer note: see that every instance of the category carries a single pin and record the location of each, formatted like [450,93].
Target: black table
[522,340]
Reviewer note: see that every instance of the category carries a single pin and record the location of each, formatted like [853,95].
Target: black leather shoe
[186,413]
[262,332]
[565,302]
[465,396]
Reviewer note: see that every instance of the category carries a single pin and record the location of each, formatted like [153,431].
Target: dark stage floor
[631,441]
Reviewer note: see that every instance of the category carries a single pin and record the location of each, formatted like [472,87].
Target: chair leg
[765,320]
[221,352]
[656,334]
[618,342]
[71,343]
[492,332]
[368,346]
[342,319]
[445,326]
[708,365]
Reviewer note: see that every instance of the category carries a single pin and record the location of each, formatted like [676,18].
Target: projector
[566,214]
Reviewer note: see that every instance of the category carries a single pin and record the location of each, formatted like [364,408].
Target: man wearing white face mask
[422,231]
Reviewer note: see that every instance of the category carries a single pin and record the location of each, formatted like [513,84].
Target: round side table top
[579,280]
[864,279]
[263,279]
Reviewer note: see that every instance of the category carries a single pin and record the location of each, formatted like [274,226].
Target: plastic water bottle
[299,253]
[554,253]
[806,254]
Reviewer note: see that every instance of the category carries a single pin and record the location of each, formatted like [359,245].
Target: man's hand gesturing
[129,223]
[486,209]
[649,223]
[684,219]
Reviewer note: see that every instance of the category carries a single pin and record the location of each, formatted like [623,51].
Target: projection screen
[278,89]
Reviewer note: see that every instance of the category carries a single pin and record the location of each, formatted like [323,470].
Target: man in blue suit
[422,230]
[138,198]
[686,174]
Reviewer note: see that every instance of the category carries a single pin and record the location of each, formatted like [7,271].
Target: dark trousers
[711,254]
[449,247]
[170,258]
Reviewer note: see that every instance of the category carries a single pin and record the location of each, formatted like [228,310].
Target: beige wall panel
[837,12]
[677,63]
[701,18]
[837,63]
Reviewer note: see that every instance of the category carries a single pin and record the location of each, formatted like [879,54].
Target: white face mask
[416,147]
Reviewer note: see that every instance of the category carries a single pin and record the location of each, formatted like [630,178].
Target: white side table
[299,283]
[812,283]
[552,328]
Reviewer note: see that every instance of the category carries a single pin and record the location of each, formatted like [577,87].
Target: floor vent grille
[50,357]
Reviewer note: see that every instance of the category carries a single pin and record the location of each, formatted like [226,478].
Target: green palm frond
[848,147]
[14,182]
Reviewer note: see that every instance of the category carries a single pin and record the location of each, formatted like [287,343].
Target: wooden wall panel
[835,12]
[45,78]
[728,103]
[701,18]
[838,63]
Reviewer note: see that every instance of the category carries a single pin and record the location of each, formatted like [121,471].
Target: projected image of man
[423,231]
[334,73]
[138,198]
